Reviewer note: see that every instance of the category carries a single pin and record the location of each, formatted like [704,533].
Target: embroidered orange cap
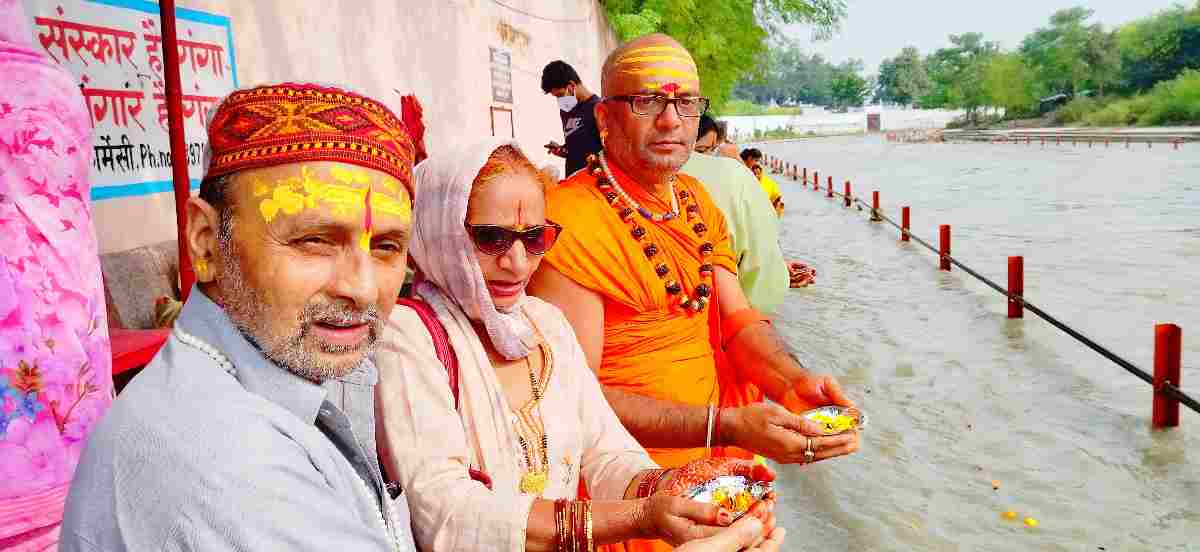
[287,123]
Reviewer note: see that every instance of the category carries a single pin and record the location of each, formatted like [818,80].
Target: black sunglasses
[497,240]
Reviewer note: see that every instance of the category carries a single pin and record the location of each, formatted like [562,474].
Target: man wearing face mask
[576,105]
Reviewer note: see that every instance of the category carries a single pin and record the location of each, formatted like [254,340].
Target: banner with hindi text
[114,50]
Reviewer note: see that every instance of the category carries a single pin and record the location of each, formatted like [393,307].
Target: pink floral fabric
[55,359]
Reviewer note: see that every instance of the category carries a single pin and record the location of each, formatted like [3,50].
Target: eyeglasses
[653,105]
[497,240]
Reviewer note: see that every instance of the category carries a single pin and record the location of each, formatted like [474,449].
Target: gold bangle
[587,513]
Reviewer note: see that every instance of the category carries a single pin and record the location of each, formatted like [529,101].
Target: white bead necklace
[637,206]
[222,361]
[212,352]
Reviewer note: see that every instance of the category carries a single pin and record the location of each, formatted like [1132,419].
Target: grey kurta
[191,457]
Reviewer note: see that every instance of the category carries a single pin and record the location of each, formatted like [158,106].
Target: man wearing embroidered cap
[230,438]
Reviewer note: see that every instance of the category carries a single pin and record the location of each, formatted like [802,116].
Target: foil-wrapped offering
[735,493]
[837,419]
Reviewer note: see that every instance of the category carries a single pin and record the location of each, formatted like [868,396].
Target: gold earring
[202,270]
[604,138]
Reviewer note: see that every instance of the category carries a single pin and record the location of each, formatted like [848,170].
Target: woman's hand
[749,533]
[679,480]
[678,520]
[800,274]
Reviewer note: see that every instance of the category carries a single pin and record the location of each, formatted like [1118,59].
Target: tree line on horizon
[1146,71]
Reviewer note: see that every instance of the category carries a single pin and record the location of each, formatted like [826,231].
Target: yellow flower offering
[1009,515]
[1031,522]
[837,419]
[734,493]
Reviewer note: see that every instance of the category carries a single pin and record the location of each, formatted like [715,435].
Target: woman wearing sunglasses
[489,416]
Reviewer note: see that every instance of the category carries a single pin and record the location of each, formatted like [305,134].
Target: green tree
[849,89]
[886,87]
[958,74]
[1008,82]
[908,80]
[1070,55]
[727,38]
[786,76]
[1159,47]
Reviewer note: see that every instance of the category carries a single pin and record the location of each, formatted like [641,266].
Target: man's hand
[809,392]
[556,149]
[770,430]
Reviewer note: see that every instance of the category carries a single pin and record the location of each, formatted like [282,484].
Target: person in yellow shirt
[752,157]
[801,274]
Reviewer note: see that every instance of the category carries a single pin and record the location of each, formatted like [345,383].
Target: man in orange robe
[645,273]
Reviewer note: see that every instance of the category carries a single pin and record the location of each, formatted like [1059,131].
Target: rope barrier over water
[1168,388]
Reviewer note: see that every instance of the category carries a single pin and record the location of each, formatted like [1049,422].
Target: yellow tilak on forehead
[656,59]
[390,206]
[663,72]
[652,49]
[292,194]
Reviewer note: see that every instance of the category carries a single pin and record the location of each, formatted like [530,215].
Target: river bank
[1113,135]
[817,122]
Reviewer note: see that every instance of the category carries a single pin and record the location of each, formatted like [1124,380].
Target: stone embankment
[1174,135]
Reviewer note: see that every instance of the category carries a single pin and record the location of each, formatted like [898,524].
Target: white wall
[437,49]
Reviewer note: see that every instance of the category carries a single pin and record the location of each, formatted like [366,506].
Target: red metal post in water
[904,223]
[828,193]
[179,156]
[944,247]
[1168,352]
[1016,286]
[816,178]
[875,207]
[845,196]
[806,175]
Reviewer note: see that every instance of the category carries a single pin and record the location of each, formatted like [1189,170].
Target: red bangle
[560,524]
[646,485]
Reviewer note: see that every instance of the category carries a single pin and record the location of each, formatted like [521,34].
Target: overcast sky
[878,29]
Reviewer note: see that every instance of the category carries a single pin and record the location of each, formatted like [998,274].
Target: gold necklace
[534,480]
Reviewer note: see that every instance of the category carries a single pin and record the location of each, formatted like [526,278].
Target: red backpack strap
[441,340]
[445,353]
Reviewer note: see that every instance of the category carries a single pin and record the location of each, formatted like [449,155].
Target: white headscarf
[446,255]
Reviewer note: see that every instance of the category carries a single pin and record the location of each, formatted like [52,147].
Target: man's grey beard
[245,307]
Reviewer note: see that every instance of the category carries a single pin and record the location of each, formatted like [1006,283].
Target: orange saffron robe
[652,346]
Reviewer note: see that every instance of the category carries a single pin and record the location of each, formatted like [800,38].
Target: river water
[960,396]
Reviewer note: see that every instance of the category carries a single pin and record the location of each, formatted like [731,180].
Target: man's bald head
[651,64]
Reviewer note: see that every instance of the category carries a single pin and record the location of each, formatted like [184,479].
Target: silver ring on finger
[808,451]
